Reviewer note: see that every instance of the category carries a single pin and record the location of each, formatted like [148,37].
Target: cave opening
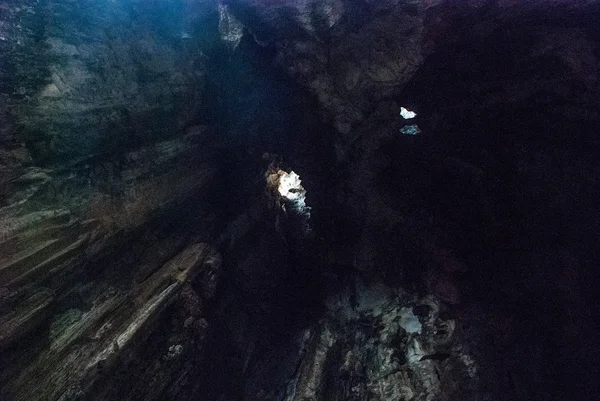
[299,200]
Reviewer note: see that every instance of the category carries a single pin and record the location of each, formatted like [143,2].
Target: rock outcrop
[372,348]
[87,344]
[81,251]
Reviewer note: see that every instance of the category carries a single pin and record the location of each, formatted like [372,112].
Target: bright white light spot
[407,114]
[290,186]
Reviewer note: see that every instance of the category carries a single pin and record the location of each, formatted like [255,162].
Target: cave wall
[523,114]
[491,209]
[107,176]
[81,77]
[130,137]
[456,263]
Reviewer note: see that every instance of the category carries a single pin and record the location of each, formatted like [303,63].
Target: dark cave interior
[148,251]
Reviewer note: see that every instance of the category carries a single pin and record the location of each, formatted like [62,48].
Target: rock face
[85,345]
[349,54]
[80,267]
[83,78]
[480,203]
[105,176]
[146,251]
[374,348]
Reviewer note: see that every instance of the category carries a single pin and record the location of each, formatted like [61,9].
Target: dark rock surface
[106,175]
[349,54]
[146,252]
[85,77]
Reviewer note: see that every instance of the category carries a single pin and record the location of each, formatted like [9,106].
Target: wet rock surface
[146,252]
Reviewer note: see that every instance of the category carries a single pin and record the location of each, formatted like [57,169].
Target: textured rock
[91,78]
[350,55]
[56,254]
[99,151]
[505,106]
[360,351]
[87,346]
[453,264]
